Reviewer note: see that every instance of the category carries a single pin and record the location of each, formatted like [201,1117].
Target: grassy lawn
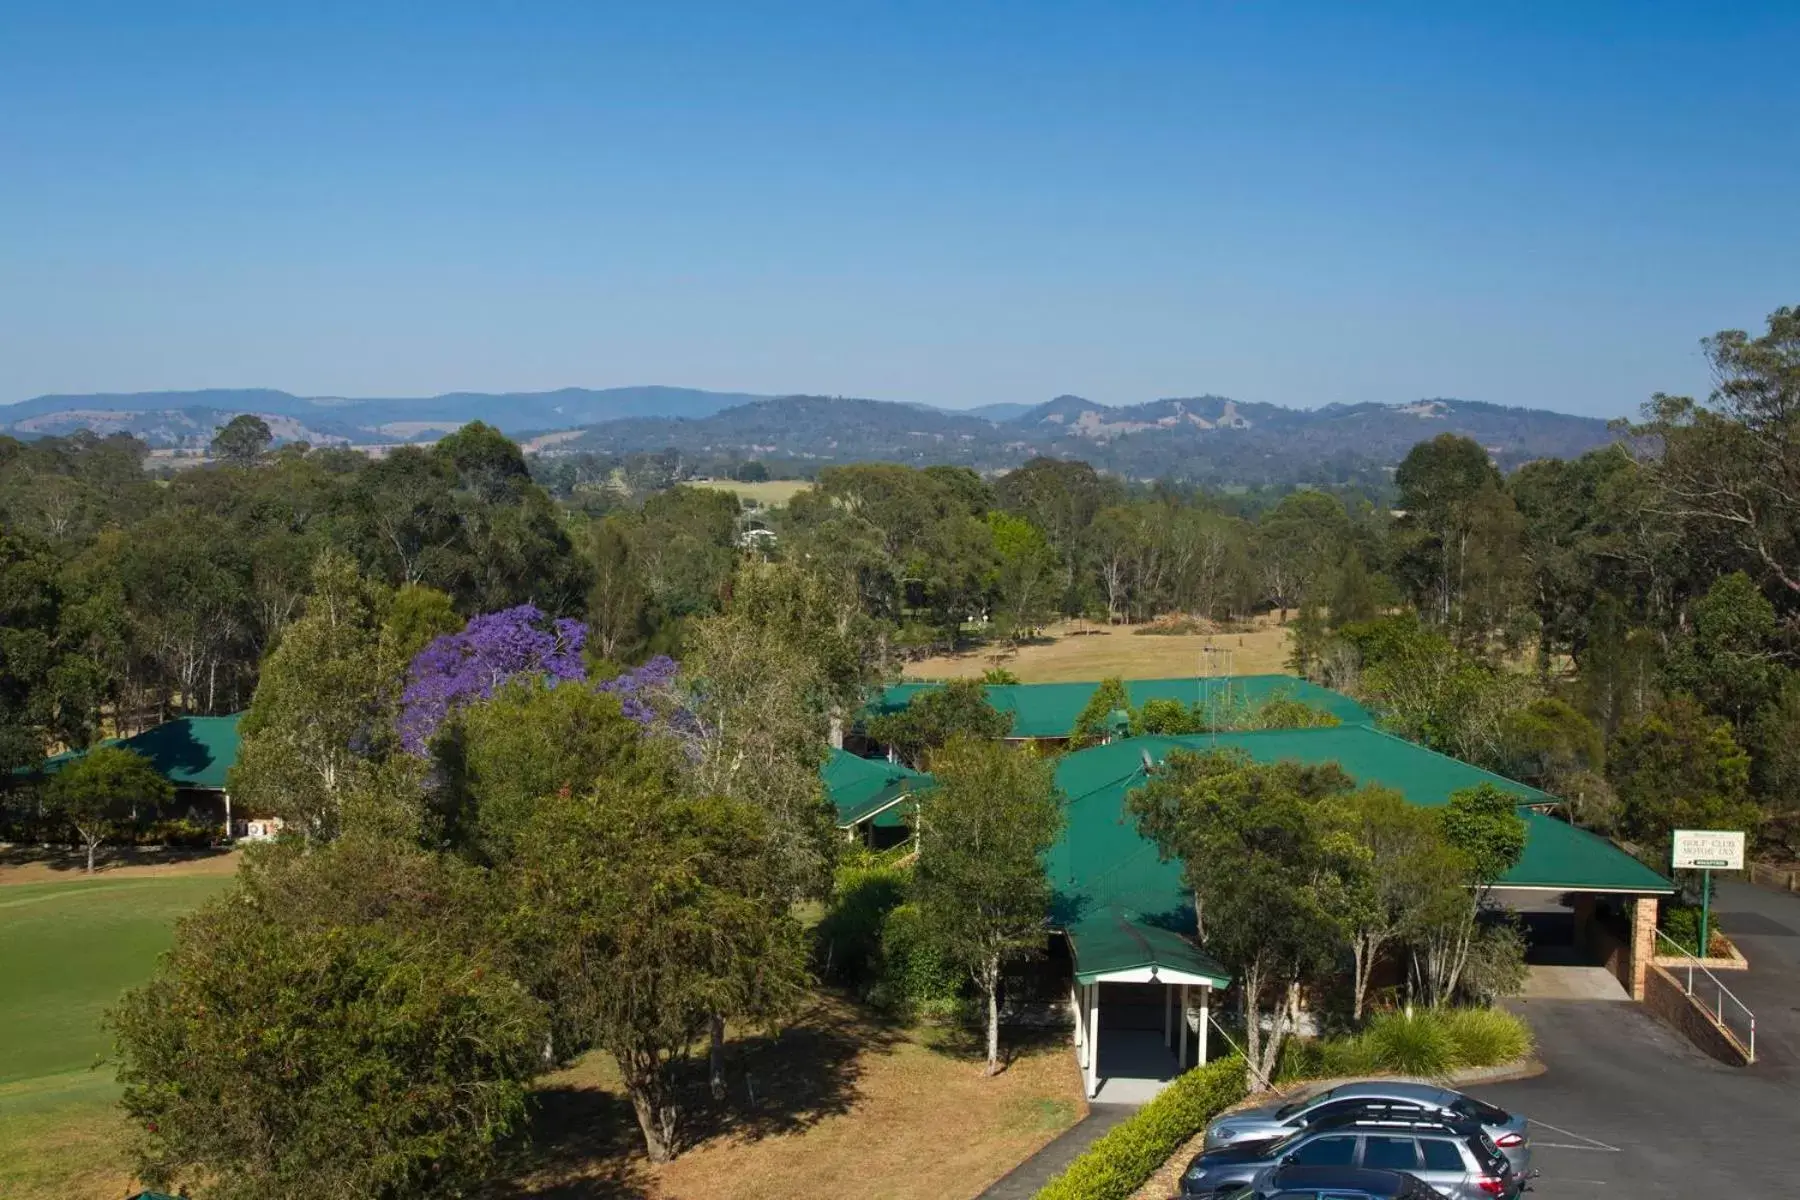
[1089,652]
[839,1103]
[62,1138]
[844,1105]
[69,948]
[771,493]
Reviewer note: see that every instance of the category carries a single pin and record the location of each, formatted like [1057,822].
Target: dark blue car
[1336,1183]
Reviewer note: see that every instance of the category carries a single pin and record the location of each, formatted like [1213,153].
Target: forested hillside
[185,420]
[1617,626]
[1208,439]
[551,771]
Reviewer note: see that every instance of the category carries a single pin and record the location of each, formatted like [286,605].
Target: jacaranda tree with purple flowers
[644,692]
[509,717]
[458,669]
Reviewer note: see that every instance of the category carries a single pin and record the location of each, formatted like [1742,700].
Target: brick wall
[1643,943]
[1664,997]
[1605,942]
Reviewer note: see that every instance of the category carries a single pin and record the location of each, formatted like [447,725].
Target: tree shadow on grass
[584,1145]
[969,1042]
[108,858]
[790,1080]
[584,1142]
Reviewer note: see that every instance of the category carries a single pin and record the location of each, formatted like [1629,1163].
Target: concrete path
[1024,1180]
[1134,1067]
[1550,982]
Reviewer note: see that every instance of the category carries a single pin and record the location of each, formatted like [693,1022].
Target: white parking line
[1588,1143]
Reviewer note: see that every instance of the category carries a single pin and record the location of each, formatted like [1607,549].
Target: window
[1487,1114]
[1390,1153]
[1333,1109]
[1294,1106]
[1441,1155]
[1365,1108]
[1326,1152]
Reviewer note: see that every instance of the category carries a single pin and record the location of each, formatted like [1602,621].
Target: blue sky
[1537,203]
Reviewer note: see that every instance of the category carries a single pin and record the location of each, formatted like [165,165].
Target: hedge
[1118,1164]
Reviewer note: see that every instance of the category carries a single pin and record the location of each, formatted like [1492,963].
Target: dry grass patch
[51,864]
[1088,652]
[844,1105]
[770,492]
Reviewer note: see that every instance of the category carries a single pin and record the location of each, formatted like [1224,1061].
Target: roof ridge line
[1391,736]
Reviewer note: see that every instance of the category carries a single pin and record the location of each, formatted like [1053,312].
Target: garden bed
[1732,959]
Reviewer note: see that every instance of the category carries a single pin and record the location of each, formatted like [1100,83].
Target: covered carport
[1585,903]
[1129,917]
[1142,996]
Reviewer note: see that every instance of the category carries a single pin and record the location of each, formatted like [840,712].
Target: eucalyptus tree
[981,882]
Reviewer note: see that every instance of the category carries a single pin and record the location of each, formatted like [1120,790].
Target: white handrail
[1724,992]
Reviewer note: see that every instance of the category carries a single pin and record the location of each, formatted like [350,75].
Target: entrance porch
[1142,1000]
[1134,1036]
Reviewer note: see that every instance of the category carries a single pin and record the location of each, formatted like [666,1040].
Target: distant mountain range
[1206,439]
[1203,438]
[187,419]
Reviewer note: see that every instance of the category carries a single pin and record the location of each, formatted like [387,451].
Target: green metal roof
[1118,939]
[1101,865]
[1049,710]
[190,752]
[861,788]
[1367,754]
[1558,855]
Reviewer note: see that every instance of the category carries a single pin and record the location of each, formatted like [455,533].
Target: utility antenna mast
[1217,664]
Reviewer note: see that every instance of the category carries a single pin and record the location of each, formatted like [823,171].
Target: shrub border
[1129,1153]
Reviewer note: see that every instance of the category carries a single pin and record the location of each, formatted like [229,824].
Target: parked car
[1453,1155]
[1508,1131]
[1336,1183]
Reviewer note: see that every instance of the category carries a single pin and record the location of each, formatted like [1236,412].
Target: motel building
[195,754]
[1122,969]
[1129,979]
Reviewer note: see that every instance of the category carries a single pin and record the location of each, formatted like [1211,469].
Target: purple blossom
[639,688]
[459,668]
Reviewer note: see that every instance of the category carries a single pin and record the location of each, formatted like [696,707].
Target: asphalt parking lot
[1629,1108]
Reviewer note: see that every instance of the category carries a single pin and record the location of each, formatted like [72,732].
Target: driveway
[1765,924]
[1629,1108]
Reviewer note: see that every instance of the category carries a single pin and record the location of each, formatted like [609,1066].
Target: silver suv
[1375,1097]
[1454,1157]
